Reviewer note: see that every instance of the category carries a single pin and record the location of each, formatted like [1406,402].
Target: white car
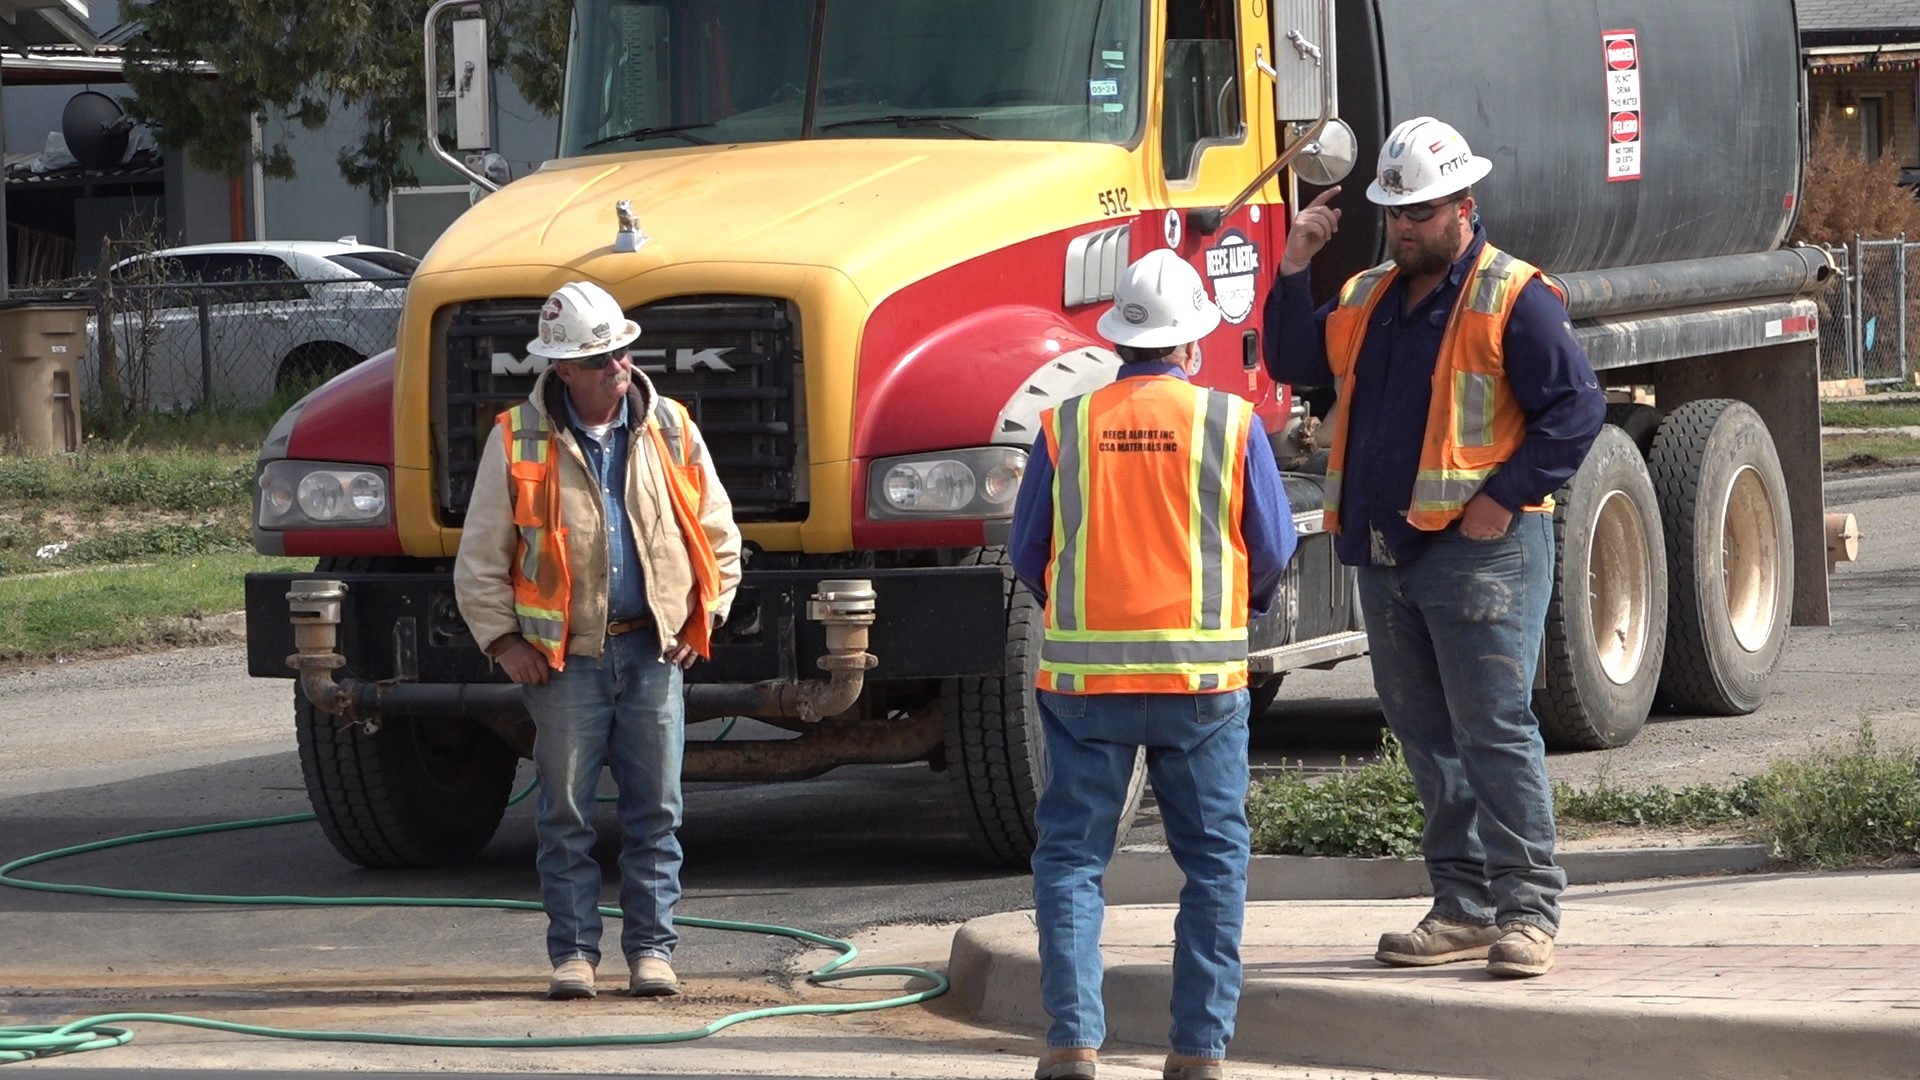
[279,315]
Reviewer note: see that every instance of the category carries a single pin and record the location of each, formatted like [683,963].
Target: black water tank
[1721,125]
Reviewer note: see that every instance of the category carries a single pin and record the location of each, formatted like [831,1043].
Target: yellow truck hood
[885,212]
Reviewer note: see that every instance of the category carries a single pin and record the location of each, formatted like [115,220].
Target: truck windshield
[655,73]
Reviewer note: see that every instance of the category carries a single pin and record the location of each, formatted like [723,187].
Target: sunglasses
[1421,211]
[597,360]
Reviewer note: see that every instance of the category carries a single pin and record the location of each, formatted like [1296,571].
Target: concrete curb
[995,968]
[1147,875]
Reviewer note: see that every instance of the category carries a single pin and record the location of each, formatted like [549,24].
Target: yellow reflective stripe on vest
[1473,397]
[667,414]
[1359,288]
[1210,510]
[1068,586]
[1493,283]
[542,626]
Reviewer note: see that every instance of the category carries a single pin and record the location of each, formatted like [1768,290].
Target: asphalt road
[107,747]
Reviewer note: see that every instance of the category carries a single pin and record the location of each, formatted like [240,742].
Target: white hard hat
[580,319]
[1425,159]
[1158,303]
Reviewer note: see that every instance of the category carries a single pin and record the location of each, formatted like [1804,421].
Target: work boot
[1193,1070]
[572,980]
[1523,951]
[1070,1063]
[1436,941]
[652,977]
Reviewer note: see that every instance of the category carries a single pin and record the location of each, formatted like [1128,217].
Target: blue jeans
[1197,758]
[624,710]
[1455,633]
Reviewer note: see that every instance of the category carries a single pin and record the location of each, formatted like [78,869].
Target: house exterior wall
[1899,135]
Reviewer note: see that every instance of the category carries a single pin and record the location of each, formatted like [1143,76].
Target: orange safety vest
[1474,425]
[1147,587]
[542,580]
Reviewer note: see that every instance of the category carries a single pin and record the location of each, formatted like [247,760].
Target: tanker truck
[867,242]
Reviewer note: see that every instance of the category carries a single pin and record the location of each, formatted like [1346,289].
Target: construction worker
[1464,404]
[1152,522]
[598,556]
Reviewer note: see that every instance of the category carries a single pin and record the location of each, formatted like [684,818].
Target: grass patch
[1863,451]
[1867,413]
[219,427]
[1853,805]
[184,480]
[114,607]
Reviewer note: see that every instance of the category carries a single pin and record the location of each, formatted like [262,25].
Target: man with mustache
[598,556]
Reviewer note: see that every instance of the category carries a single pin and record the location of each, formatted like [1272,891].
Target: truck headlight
[319,495]
[975,483]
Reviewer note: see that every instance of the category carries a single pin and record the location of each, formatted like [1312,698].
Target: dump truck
[867,242]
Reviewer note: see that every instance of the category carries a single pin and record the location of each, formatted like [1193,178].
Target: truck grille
[731,360]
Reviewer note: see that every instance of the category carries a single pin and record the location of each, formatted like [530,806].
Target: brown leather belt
[626,626]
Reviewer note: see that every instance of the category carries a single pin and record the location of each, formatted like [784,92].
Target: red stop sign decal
[1621,55]
[1626,126]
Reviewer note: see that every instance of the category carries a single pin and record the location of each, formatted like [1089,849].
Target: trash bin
[40,348]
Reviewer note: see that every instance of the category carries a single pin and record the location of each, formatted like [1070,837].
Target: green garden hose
[97,1032]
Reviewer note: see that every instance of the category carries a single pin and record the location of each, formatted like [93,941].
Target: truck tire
[1607,621]
[420,792]
[1729,556]
[1262,695]
[995,749]
[1640,422]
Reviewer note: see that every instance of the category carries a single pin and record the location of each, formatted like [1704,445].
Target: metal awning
[28,25]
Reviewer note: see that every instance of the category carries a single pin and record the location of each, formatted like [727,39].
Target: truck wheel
[1261,696]
[421,792]
[1607,621]
[1640,422]
[1729,556]
[995,749]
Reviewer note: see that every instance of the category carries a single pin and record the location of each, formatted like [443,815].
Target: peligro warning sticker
[1621,51]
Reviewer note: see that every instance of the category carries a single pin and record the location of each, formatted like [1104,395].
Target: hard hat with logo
[1422,160]
[1158,303]
[579,320]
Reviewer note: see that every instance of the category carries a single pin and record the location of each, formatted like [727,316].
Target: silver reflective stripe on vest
[1207,682]
[543,629]
[1491,282]
[1448,490]
[530,562]
[1149,654]
[1473,408]
[668,418]
[1360,292]
[1210,505]
[1069,514]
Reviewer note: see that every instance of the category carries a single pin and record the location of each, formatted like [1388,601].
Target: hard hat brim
[1476,171]
[1118,330]
[575,350]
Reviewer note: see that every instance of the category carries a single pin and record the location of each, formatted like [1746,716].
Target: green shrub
[1844,806]
[1369,812]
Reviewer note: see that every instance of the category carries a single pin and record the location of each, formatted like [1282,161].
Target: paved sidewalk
[1752,977]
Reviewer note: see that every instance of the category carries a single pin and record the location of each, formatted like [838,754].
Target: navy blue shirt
[1392,388]
[607,462]
[1266,521]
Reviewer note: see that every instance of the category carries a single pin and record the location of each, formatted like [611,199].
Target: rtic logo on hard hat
[1134,313]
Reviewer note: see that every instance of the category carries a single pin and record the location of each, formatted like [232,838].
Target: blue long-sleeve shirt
[1392,388]
[1266,520]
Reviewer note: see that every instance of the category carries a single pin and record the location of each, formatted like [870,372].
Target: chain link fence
[1870,324]
[155,346]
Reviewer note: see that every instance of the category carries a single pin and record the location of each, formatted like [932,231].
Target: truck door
[1209,150]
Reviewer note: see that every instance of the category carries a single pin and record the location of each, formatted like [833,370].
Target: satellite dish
[96,129]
